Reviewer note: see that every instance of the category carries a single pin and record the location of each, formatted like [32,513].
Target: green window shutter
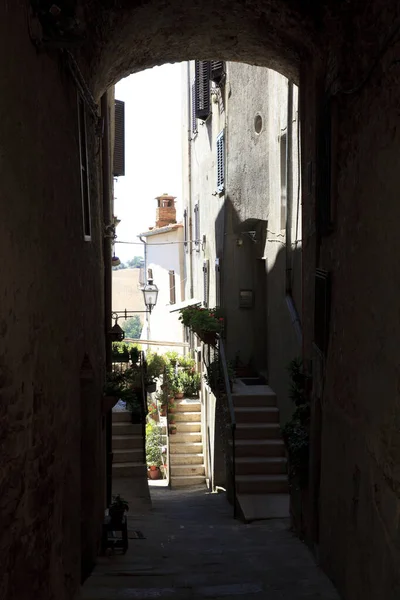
[217,282]
[206,280]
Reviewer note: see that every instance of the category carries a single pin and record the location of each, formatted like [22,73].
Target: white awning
[184,304]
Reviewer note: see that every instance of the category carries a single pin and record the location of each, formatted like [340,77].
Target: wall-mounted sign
[246,298]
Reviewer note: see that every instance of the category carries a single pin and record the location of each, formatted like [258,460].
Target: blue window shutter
[221,162]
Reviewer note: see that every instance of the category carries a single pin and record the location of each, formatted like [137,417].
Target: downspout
[107,217]
[145,274]
[289,212]
[190,241]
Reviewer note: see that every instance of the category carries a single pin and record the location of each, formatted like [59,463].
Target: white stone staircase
[261,471]
[127,447]
[185,446]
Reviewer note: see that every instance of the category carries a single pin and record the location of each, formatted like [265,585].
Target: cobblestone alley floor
[194,549]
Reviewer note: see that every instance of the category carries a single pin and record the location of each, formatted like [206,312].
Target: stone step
[187,481]
[128,455]
[184,470]
[191,427]
[127,442]
[123,428]
[121,416]
[254,465]
[254,400]
[257,431]
[258,414]
[184,447]
[261,484]
[266,448]
[187,405]
[129,469]
[186,458]
[187,416]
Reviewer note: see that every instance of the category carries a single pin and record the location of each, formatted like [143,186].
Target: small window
[206,280]
[283,169]
[185,230]
[86,217]
[172,292]
[221,162]
[194,119]
[202,89]
[217,282]
[197,227]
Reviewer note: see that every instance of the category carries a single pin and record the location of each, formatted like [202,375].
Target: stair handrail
[231,407]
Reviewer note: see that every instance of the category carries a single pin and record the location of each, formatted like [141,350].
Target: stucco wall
[164,325]
[51,316]
[263,334]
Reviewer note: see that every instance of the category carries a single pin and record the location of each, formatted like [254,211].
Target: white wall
[164,254]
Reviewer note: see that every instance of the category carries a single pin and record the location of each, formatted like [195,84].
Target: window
[221,162]
[202,89]
[217,71]
[197,227]
[87,230]
[119,139]
[194,119]
[206,280]
[217,282]
[283,161]
[172,292]
[185,230]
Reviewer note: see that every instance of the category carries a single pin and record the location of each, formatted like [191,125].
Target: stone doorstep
[128,455]
[182,437]
[254,400]
[259,465]
[181,470]
[127,442]
[262,484]
[119,416]
[126,429]
[186,417]
[257,431]
[129,469]
[245,414]
[182,448]
[182,458]
[186,406]
[259,448]
[191,427]
[187,480]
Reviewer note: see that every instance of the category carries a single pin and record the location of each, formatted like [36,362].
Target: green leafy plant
[296,432]
[186,363]
[155,367]
[125,385]
[171,357]
[214,375]
[191,383]
[153,445]
[202,321]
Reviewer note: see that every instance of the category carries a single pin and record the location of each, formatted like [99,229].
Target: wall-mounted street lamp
[150,295]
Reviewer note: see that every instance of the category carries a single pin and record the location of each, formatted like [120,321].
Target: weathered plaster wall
[51,315]
[263,334]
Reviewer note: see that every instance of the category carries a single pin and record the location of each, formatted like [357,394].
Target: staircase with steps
[128,447]
[186,446]
[261,471]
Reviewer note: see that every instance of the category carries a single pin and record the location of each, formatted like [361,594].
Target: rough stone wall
[51,315]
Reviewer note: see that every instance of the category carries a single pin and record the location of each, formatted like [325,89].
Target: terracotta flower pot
[179,395]
[172,430]
[154,472]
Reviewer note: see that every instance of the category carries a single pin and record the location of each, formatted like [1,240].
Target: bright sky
[153,153]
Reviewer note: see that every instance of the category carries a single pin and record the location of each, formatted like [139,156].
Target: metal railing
[231,411]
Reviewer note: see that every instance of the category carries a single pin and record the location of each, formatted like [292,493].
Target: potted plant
[171,406]
[171,419]
[206,323]
[135,354]
[178,386]
[153,450]
[191,383]
[117,509]
[153,412]
[172,429]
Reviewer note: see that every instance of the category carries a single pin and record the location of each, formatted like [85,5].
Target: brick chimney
[165,211]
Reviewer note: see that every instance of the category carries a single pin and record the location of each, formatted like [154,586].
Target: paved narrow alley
[192,548]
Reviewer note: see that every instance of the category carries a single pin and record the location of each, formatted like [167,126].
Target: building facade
[164,264]
[241,189]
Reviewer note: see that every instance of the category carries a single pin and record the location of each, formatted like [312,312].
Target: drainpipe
[189,107]
[289,211]
[107,217]
[145,275]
